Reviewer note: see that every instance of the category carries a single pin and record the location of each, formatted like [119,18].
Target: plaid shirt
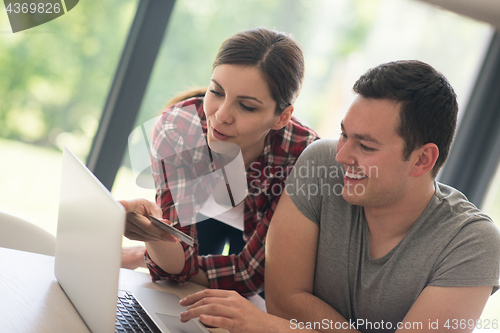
[177,131]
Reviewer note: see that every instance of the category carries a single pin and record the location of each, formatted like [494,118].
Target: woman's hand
[138,226]
[228,310]
[133,257]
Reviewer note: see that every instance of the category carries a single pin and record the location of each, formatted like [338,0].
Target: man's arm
[291,247]
[290,265]
[445,309]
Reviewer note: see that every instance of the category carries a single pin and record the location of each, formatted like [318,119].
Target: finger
[226,300]
[156,210]
[219,322]
[193,298]
[134,228]
[133,257]
[138,212]
[135,237]
[213,309]
[142,225]
[142,207]
[124,203]
[132,205]
[146,208]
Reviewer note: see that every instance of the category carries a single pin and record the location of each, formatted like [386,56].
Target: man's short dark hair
[428,103]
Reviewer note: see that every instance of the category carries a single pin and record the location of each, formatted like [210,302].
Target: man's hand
[138,226]
[133,257]
[231,311]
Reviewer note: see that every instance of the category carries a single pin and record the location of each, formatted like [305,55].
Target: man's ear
[284,118]
[425,159]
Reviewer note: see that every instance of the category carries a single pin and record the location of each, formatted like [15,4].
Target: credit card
[171,230]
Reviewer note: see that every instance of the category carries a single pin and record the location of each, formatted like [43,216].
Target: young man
[364,238]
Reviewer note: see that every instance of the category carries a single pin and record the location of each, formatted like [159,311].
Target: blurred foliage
[54,79]
[198,28]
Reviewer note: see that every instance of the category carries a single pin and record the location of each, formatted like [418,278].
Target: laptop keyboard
[131,317]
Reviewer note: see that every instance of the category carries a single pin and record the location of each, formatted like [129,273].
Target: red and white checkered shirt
[176,139]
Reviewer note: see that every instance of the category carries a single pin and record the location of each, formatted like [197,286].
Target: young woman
[256,77]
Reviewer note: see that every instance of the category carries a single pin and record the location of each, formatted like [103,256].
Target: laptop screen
[88,244]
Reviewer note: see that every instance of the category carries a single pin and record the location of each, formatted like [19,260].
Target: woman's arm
[171,161]
[175,261]
[168,255]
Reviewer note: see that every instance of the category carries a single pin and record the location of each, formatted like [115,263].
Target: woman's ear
[284,118]
[426,157]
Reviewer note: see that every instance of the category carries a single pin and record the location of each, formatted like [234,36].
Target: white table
[32,301]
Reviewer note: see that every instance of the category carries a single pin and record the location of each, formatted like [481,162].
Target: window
[54,80]
[340,39]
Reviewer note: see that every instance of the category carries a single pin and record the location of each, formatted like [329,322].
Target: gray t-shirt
[451,244]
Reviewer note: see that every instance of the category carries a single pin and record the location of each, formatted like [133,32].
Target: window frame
[475,153]
[127,91]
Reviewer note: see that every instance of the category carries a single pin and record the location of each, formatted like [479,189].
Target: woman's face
[240,109]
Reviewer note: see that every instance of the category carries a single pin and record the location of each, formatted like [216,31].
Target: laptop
[88,258]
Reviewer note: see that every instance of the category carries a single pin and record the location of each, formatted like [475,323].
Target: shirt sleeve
[314,176]
[173,146]
[191,265]
[471,259]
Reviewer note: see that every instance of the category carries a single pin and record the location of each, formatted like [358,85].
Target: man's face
[372,154]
